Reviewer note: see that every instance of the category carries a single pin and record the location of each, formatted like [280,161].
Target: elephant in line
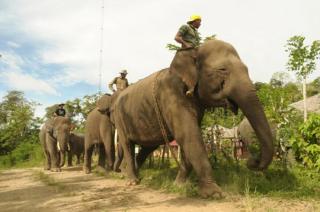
[76,144]
[247,134]
[219,78]
[99,131]
[54,137]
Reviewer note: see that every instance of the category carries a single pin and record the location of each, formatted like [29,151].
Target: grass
[234,178]
[48,180]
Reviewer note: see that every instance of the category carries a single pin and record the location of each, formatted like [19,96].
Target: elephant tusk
[116,136]
[58,146]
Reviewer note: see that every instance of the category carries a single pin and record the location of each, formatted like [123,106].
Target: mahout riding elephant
[76,144]
[218,76]
[99,131]
[54,137]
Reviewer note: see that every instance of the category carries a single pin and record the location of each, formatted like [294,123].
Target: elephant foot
[117,170]
[211,189]
[180,180]
[56,170]
[86,170]
[69,165]
[47,168]
[133,182]
[101,169]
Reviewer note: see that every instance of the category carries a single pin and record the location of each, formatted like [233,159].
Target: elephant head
[221,76]
[61,132]
[105,104]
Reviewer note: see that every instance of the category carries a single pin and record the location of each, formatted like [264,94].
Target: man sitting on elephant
[60,111]
[120,82]
[189,37]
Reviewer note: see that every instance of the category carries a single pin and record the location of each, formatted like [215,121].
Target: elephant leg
[184,170]
[102,156]
[47,160]
[129,157]
[143,154]
[78,159]
[69,153]
[109,150]
[87,157]
[119,158]
[54,155]
[190,140]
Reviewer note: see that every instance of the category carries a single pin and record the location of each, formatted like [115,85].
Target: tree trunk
[304,90]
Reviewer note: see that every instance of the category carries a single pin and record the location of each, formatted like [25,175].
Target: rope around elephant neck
[158,113]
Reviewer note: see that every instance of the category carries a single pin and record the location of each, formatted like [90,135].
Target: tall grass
[25,155]
[235,178]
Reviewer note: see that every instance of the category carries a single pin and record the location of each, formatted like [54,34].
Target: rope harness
[160,122]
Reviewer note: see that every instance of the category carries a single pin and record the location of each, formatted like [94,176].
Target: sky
[50,49]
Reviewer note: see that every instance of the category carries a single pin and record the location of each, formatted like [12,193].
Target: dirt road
[71,190]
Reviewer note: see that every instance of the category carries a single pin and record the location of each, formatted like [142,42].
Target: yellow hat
[194,17]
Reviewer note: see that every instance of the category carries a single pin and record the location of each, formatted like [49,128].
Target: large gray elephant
[54,137]
[76,147]
[218,76]
[99,131]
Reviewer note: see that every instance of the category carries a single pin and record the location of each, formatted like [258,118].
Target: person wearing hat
[60,111]
[121,82]
[188,35]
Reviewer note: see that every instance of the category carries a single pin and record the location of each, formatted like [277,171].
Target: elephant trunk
[247,100]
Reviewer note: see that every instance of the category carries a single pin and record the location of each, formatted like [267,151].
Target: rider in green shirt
[188,35]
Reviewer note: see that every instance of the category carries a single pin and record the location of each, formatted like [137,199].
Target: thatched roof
[313,104]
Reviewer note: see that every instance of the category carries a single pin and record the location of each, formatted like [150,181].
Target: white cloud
[136,32]
[13,44]
[25,82]
[14,77]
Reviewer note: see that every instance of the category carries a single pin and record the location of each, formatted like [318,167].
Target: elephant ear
[104,103]
[184,64]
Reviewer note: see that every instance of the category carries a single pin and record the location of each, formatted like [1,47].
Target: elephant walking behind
[54,138]
[99,131]
[76,147]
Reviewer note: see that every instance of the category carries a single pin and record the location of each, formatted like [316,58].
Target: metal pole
[101,45]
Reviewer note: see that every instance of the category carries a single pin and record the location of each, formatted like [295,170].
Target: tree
[77,109]
[280,79]
[16,121]
[302,61]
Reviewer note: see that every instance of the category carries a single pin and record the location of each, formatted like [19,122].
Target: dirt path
[71,190]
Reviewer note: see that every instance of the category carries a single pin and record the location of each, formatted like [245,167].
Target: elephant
[246,133]
[54,137]
[99,131]
[219,77]
[76,147]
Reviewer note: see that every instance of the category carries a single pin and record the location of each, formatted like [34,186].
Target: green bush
[307,144]
[26,154]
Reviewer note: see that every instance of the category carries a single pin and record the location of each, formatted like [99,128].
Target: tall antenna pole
[101,45]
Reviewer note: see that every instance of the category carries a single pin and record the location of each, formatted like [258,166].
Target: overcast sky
[50,48]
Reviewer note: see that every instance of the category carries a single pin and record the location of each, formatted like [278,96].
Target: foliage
[173,47]
[221,116]
[77,109]
[314,87]
[276,99]
[17,124]
[307,144]
[18,130]
[302,58]
[234,177]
